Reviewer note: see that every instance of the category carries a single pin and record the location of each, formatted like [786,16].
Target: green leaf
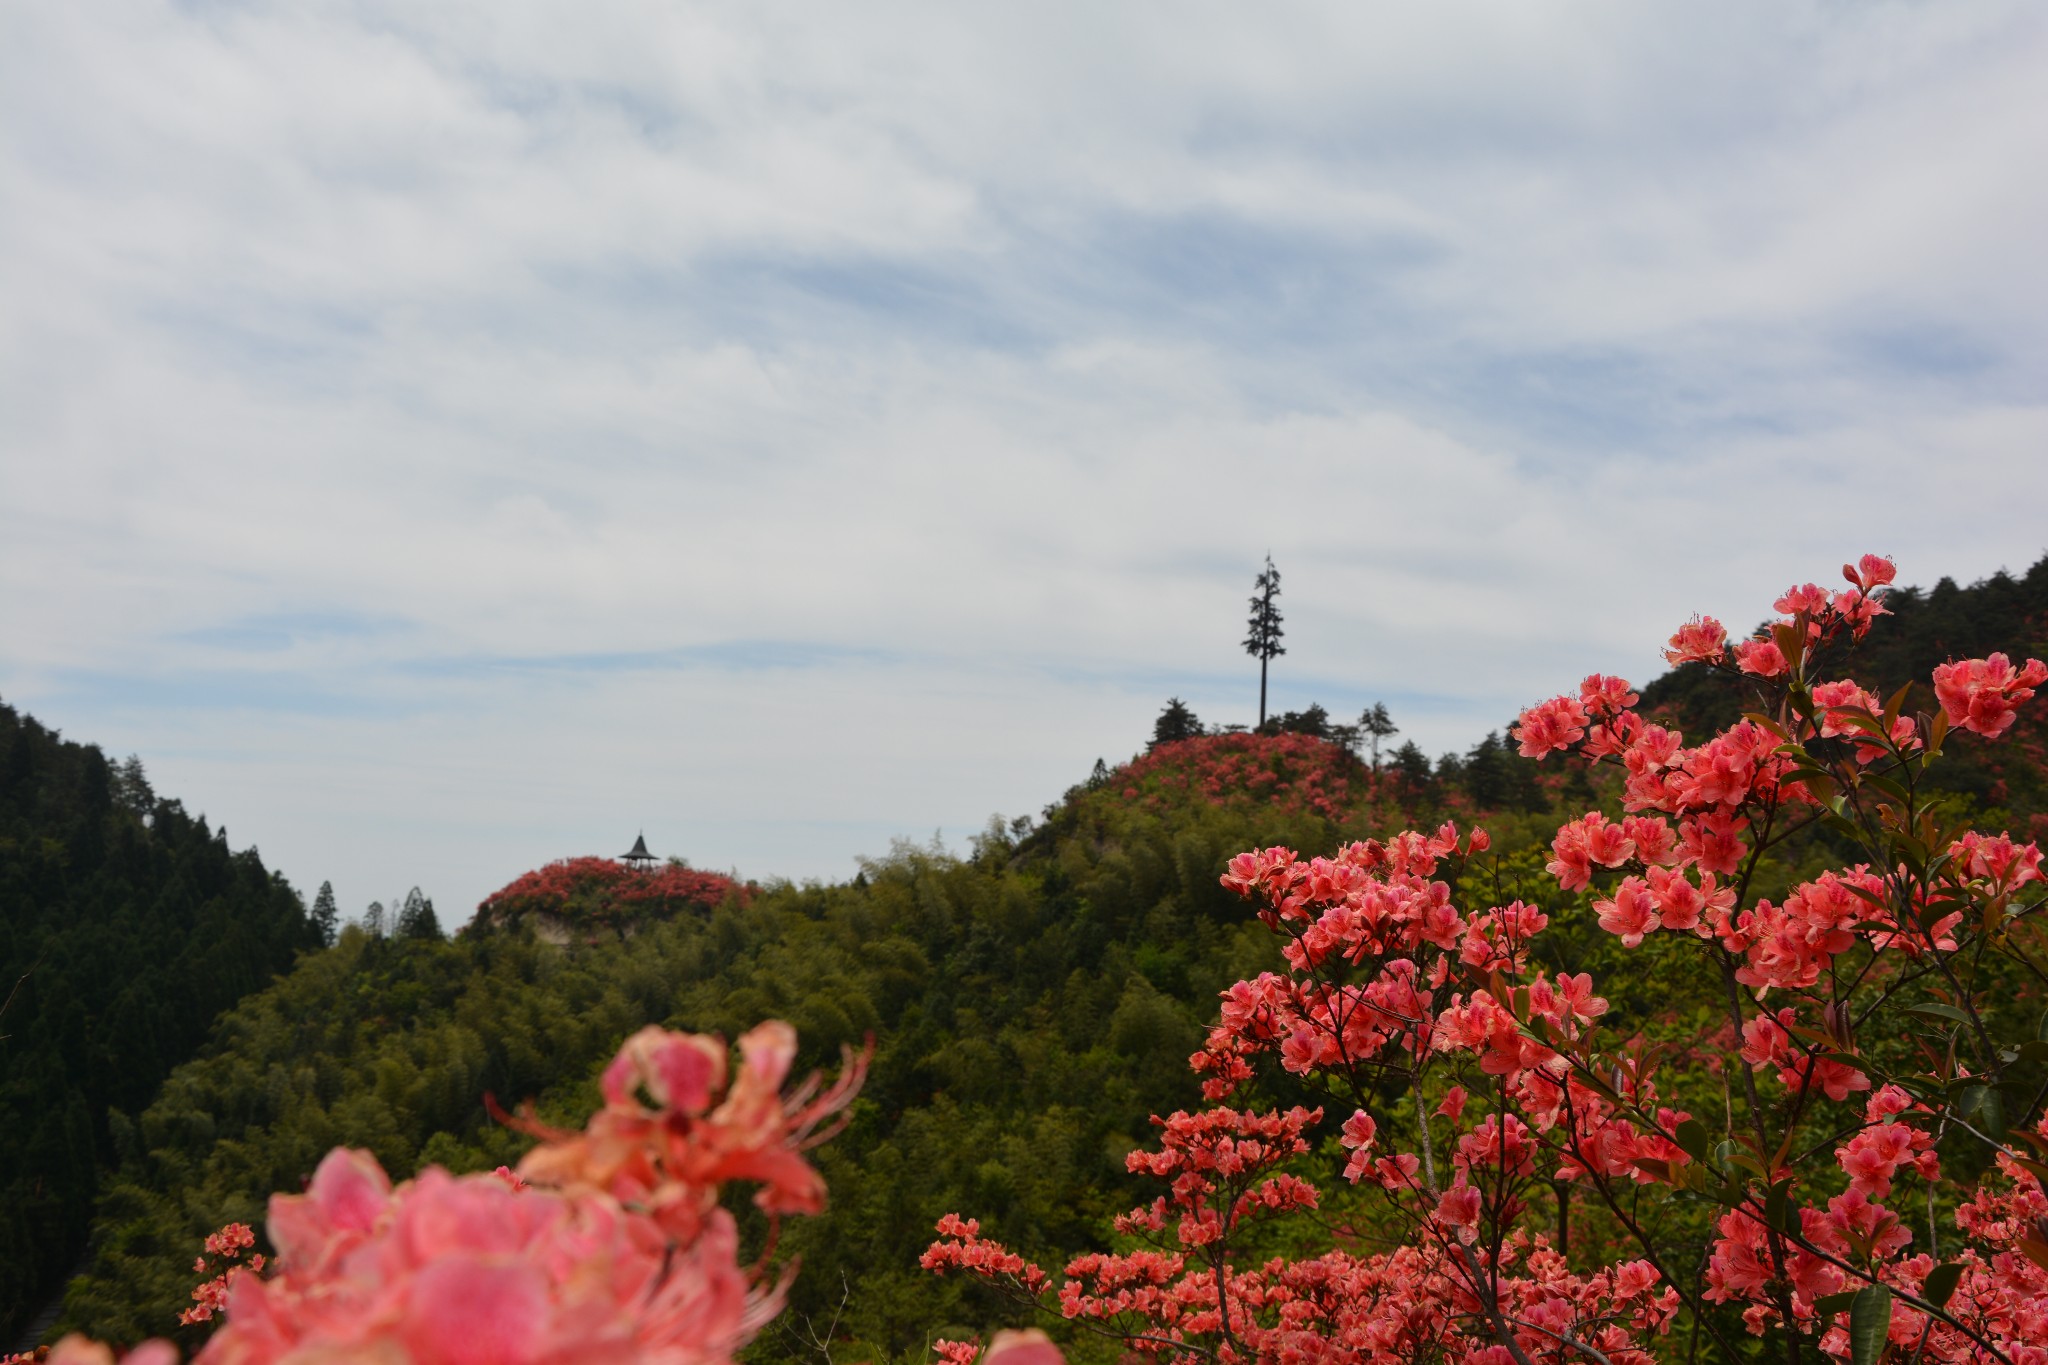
[1991,1115]
[1915,851]
[1778,1210]
[1693,1139]
[1820,784]
[1940,1284]
[1830,1304]
[1939,1011]
[1934,911]
[1747,1162]
[1837,822]
[1870,1323]
[2041,1029]
[1789,644]
[1895,705]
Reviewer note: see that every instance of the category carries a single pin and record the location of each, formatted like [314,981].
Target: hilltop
[585,898]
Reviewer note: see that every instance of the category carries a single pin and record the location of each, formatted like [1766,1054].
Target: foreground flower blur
[606,1244]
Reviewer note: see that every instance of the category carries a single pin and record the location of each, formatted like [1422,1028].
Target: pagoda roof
[639,850]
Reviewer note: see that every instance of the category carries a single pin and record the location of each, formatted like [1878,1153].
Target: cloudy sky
[442,438]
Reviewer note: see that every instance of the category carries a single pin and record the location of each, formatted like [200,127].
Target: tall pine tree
[1262,641]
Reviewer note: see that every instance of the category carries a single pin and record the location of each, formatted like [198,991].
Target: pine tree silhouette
[1263,640]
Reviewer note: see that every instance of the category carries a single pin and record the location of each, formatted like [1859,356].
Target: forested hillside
[1925,628]
[1032,1003]
[126,926]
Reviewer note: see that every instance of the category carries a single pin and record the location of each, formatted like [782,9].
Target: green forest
[181,1040]
[126,927]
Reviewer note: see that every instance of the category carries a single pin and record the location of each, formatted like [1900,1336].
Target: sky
[439,439]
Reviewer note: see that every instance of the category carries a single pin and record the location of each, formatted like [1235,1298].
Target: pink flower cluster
[605,1244]
[1388,984]
[225,1246]
[599,891]
[1288,772]
[468,1270]
[1179,1297]
[672,1132]
[1981,694]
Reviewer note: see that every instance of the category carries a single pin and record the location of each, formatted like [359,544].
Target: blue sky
[444,438]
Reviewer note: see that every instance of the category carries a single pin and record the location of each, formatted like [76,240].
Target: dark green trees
[326,918]
[416,919]
[126,925]
[1176,722]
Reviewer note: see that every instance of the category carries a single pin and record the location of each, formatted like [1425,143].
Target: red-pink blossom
[1458,1209]
[1810,598]
[1871,571]
[1981,694]
[1630,913]
[1700,640]
[1550,726]
[1761,657]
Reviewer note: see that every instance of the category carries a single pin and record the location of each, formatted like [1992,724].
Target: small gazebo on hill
[639,859]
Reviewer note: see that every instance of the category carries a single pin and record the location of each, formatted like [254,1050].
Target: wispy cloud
[438,436]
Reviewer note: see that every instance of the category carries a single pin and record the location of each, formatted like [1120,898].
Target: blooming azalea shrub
[1288,772]
[608,1243]
[222,1257]
[1518,1173]
[583,894]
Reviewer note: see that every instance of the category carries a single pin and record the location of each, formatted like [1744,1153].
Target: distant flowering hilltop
[1294,772]
[576,896]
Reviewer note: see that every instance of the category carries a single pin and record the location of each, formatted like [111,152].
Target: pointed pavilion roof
[639,853]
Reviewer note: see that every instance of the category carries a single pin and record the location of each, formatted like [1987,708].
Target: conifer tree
[1412,763]
[417,919]
[1262,641]
[325,917]
[1377,727]
[131,786]
[1178,721]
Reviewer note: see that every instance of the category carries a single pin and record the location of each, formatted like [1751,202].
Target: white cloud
[437,436]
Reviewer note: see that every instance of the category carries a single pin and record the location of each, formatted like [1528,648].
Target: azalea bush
[1290,772]
[1488,1164]
[599,893]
